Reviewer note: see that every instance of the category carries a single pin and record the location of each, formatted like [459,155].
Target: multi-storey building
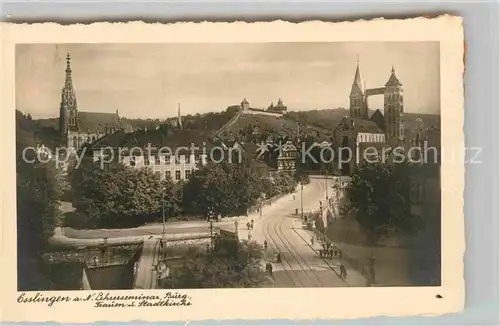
[170,153]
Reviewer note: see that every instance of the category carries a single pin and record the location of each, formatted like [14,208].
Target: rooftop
[97,122]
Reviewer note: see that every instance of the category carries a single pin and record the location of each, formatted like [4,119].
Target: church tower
[68,113]
[393,108]
[358,107]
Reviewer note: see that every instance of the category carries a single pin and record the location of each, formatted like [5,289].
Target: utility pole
[163,212]
[326,183]
[211,234]
[301,200]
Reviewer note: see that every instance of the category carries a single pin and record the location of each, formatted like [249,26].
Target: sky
[150,80]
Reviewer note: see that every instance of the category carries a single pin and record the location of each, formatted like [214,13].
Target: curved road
[301,265]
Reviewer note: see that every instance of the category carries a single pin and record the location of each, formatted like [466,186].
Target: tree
[379,198]
[38,205]
[224,188]
[220,269]
[285,183]
[209,189]
[119,196]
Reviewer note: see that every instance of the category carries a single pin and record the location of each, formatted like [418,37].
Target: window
[187,174]
[132,160]
[168,175]
[166,158]
[187,159]
[177,159]
[157,160]
[177,175]
[146,160]
[197,158]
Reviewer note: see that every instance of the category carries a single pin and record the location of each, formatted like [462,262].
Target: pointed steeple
[358,84]
[68,115]
[393,80]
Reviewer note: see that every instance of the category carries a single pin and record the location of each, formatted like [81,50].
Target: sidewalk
[354,278]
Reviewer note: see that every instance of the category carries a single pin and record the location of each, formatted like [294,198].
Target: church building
[360,131]
[78,128]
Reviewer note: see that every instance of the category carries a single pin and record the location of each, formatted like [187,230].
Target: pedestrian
[278,257]
[331,253]
[296,211]
[343,271]
[312,241]
[271,269]
[248,226]
[265,244]
[294,197]
[251,225]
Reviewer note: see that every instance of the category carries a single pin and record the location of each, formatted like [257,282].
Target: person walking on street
[265,244]
[343,271]
[248,226]
[312,241]
[269,269]
[251,225]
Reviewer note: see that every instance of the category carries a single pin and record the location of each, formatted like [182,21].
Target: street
[277,224]
[300,264]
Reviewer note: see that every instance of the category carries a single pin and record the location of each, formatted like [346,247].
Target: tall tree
[220,269]
[119,196]
[38,205]
[379,198]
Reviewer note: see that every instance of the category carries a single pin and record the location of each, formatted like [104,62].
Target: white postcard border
[302,303]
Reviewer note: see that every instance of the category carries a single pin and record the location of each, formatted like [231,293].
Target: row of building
[102,134]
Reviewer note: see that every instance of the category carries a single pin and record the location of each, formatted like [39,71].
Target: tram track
[296,281]
[277,242]
[306,268]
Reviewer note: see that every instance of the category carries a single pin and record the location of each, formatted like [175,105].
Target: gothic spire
[68,80]
[68,115]
[393,80]
[358,84]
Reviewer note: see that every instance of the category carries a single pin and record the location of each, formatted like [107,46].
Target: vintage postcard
[202,171]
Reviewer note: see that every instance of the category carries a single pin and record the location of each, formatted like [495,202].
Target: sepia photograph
[227,165]
[175,166]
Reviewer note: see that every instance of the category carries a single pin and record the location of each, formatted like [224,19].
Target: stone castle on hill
[273,110]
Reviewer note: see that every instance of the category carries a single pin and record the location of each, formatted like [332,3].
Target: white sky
[148,80]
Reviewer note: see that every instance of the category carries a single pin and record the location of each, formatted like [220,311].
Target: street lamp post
[326,183]
[210,218]
[163,212]
[301,200]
